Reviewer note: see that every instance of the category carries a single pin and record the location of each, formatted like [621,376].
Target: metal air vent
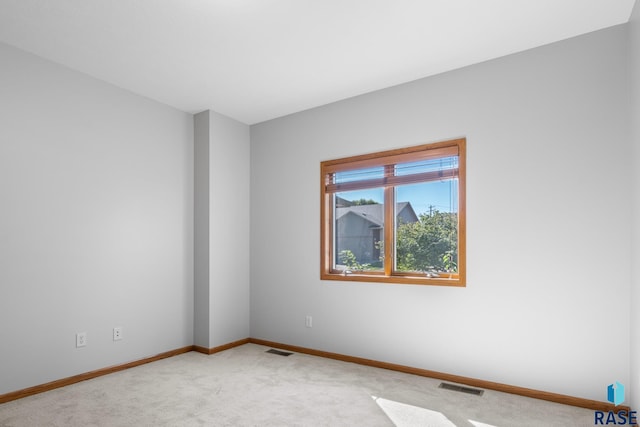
[461,389]
[279,352]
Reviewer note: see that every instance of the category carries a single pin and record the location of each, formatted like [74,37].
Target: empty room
[319,213]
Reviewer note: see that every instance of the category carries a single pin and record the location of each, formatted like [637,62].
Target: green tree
[429,244]
[348,259]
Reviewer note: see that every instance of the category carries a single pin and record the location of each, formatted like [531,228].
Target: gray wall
[548,217]
[96,223]
[222,230]
[634,73]
[202,274]
[97,216]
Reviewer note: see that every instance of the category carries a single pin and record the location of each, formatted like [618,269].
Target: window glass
[359,230]
[359,175]
[426,227]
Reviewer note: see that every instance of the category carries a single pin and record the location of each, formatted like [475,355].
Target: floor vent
[461,389]
[278,352]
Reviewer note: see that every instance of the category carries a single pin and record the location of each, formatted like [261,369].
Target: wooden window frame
[388,159]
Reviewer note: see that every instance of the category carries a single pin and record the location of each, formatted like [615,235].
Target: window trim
[387,158]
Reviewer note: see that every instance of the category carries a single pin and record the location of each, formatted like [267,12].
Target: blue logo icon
[615,393]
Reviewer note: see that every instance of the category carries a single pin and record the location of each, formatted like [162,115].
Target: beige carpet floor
[246,386]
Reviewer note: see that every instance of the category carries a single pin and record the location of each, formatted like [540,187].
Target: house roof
[373,213]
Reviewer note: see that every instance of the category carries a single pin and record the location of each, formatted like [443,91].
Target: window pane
[426,229]
[359,230]
[429,165]
[358,175]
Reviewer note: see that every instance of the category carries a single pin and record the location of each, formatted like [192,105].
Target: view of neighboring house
[359,228]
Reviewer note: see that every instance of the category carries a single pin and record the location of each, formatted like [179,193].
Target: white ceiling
[255,60]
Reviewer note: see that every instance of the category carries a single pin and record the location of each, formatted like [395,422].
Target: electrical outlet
[308,322]
[117,334]
[81,339]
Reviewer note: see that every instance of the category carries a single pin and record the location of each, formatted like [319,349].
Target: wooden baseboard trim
[14,395]
[473,382]
[220,348]
[89,375]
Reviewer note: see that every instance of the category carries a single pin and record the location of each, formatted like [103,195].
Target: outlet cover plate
[81,339]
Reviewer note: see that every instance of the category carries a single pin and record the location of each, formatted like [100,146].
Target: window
[397,216]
